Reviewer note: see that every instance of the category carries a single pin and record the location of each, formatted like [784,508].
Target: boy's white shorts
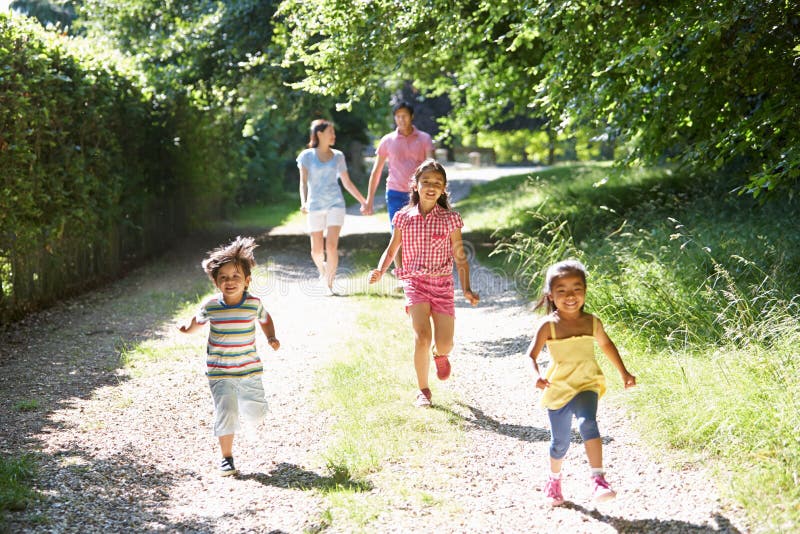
[234,397]
[317,221]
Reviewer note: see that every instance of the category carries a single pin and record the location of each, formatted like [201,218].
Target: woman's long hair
[430,165]
[317,126]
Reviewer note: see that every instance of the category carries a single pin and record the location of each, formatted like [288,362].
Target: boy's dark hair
[432,165]
[403,104]
[239,252]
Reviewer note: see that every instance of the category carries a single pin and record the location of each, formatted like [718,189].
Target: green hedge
[97,173]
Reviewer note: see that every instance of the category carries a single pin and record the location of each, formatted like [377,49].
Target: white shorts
[317,221]
[234,397]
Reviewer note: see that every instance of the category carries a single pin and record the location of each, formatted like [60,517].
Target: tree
[711,85]
[61,12]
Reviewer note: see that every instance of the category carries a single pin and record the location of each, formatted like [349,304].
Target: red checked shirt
[426,246]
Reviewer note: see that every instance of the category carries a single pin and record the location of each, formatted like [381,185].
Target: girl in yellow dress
[573,382]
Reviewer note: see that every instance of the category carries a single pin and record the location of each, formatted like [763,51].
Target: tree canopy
[712,85]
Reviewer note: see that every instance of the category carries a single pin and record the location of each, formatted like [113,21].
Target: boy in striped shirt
[233,367]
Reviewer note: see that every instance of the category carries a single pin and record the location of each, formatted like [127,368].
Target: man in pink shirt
[405,149]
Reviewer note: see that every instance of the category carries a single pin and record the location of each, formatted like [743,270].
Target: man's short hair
[403,104]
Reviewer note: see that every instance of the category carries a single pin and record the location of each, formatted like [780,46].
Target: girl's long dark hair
[430,165]
[317,126]
[562,268]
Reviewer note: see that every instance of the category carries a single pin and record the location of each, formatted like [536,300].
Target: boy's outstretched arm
[189,327]
[269,330]
[387,257]
[462,266]
[611,352]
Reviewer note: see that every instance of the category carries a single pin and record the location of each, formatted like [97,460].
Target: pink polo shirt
[425,243]
[405,153]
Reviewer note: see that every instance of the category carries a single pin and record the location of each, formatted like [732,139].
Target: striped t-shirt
[231,349]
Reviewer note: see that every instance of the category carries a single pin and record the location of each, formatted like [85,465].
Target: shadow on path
[291,476]
[529,434]
[498,348]
[653,525]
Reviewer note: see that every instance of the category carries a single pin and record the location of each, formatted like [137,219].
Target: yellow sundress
[573,368]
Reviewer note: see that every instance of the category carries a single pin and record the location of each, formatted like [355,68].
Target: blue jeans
[584,407]
[395,201]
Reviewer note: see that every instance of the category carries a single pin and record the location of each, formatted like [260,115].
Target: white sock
[598,471]
[555,476]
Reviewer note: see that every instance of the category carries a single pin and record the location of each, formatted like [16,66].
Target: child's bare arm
[537,343]
[189,327]
[462,266]
[610,350]
[269,331]
[387,257]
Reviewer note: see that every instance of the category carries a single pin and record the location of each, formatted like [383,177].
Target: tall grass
[700,288]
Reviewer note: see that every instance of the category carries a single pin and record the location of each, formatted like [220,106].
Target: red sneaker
[423,398]
[442,366]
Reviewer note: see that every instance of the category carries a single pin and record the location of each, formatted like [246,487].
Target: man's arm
[374,181]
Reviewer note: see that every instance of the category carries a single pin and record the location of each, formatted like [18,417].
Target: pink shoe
[553,491]
[442,366]
[602,491]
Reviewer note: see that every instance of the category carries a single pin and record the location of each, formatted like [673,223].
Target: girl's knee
[423,338]
[588,429]
[558,448]
[444,347]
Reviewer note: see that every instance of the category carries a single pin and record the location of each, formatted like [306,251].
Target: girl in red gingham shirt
[428,233]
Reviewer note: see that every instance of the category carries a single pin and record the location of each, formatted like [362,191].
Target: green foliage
[713,86]
[223,60]
[523,146]
[56,12]
[96,173]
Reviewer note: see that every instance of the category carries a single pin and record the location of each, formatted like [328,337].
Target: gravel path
[131,451]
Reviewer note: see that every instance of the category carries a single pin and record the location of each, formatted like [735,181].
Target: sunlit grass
[285,210]
[699,287]
[370,389]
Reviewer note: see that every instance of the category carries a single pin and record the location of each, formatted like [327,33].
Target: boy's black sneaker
[226,468]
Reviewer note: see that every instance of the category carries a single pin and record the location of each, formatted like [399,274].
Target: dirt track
[123,452]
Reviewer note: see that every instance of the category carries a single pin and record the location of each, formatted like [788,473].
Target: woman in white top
[321,167]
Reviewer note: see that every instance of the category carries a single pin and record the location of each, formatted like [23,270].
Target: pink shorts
[438,291]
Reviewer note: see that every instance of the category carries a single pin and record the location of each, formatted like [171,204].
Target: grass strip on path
[370,388]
